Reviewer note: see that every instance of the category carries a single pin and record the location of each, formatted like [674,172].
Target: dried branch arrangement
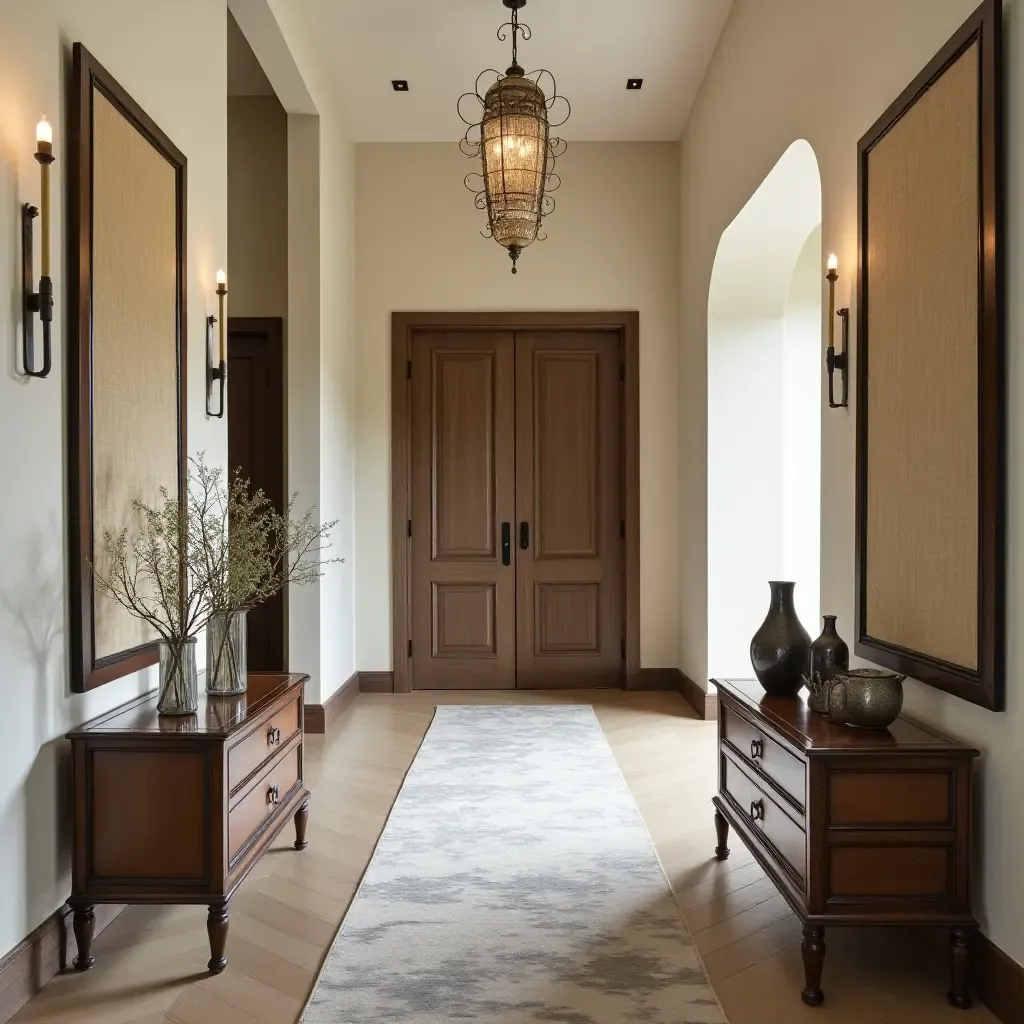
[228,549]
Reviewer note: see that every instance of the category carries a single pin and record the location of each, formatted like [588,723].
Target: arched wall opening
[764,425]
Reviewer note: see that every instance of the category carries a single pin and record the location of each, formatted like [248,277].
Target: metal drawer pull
[273,737]
[757,810]
[273,797]
[756,749]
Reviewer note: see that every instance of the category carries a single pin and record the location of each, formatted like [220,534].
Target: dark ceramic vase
[781,648]
[829,653]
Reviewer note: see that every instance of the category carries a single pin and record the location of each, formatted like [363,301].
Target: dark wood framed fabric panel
[931,405]
[127,413]
[579,619]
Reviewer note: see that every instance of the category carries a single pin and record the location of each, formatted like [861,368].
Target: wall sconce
[836,360]
[219,372]
[37,302]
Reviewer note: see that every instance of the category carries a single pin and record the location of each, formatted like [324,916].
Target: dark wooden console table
[854,827]
[178,809]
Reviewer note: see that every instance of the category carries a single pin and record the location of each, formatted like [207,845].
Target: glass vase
[226,666]
[179,685]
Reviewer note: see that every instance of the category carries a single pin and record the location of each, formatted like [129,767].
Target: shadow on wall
[764,425]
[32,619]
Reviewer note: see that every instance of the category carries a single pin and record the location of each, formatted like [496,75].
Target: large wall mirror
[126,358]
[931,405]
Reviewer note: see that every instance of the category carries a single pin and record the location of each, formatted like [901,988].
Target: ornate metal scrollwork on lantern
[513,142]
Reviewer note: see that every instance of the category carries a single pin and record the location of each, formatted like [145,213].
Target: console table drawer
[766,756]
[913,798]
[262,800]
[762,812]
[263,743]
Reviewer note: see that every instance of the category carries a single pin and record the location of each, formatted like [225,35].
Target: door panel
[463,479]
[569,618]
[255,413]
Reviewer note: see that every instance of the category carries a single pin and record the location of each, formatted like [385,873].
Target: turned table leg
[813,950]
[85,927]
[217,929]
[961,946]
[301,820]
[722,829]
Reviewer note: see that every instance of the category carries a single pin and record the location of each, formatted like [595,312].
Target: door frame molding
[403,327]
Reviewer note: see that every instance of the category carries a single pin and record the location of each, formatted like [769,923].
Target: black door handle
[506,543]
[524,535]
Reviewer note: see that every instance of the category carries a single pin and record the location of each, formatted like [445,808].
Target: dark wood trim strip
[403,326]
[42,955]
[1000,982]
[631,491]
[376,682]
[675,681]
[319,717]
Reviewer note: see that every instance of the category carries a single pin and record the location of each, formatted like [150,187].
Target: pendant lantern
[513,143]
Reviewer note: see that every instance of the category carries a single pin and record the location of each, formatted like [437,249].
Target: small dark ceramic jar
[780,650]
[829,657]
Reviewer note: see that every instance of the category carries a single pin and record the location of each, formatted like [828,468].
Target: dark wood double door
[517,510]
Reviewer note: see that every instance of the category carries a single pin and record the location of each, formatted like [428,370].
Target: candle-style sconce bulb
[37,302]
[217,373]
[836,360]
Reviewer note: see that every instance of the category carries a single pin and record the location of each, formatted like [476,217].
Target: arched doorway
[764,427]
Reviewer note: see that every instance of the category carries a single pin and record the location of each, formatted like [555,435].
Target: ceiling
[592,46]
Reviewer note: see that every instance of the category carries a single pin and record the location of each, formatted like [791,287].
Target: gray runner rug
[514,883]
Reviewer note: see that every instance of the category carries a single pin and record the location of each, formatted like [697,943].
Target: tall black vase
[781,648]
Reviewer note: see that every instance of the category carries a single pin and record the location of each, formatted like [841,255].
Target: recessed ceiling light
[399,85]
[634,83]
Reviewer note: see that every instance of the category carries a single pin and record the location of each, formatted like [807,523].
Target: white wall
[613,245]
[801,432]
[830,70]
[763,432]
[745,484]
[173,62]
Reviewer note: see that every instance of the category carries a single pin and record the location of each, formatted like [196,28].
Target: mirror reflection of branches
[204,566]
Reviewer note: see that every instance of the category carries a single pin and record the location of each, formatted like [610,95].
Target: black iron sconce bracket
[839,361]
[34,303]
[215,374]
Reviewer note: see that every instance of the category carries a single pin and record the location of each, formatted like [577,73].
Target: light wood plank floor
[151,961]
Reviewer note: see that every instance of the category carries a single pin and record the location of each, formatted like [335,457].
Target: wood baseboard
[40,956]
[661,679]
[999,980]
[376,682]
[319,717]
[658,680]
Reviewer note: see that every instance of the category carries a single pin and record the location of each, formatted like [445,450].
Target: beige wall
[794,69]
[320,385]
[613,245]
[173,62]
[258,206]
